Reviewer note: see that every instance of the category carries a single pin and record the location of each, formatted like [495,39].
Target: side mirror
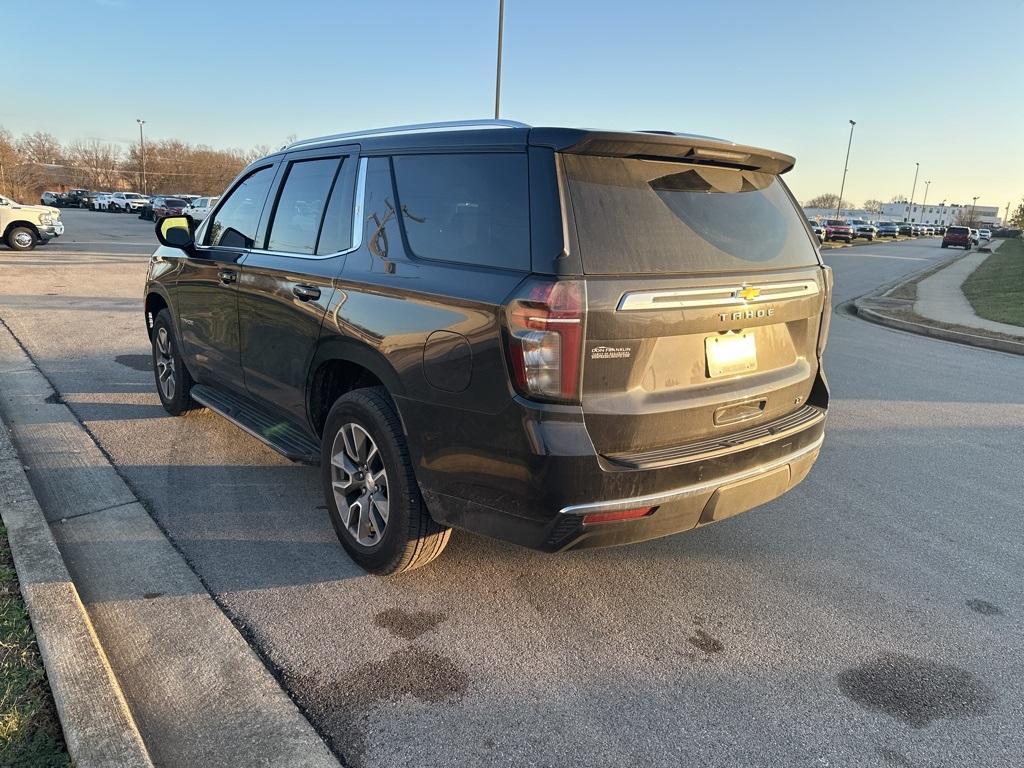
[176,232]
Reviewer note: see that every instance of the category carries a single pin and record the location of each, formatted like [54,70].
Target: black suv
[557,337]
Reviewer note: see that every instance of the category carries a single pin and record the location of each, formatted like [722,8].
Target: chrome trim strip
[717,296]
[656,499]
[398,130]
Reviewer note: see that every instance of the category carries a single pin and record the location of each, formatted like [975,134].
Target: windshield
[132,196]
[651,216]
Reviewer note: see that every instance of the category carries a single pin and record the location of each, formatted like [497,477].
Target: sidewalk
[939,298]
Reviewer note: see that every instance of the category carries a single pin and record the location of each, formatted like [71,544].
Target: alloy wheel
[360,484]
[165,363]
[23,239]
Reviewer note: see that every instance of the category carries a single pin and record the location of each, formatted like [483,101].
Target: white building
[944,214]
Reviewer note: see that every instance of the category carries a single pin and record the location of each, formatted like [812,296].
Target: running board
[284,437]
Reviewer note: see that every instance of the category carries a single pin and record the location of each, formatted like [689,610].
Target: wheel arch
[156,300]
[340,365]
[22,223]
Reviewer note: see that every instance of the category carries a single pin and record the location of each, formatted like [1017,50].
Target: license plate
[730,353]
[59,229]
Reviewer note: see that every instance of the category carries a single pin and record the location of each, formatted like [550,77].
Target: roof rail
[452,125]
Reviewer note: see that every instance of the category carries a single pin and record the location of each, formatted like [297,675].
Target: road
[872,617]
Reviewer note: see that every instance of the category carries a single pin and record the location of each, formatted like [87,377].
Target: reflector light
[611,517]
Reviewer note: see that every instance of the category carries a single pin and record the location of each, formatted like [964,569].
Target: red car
[837,229]
[958,236]
[168,206]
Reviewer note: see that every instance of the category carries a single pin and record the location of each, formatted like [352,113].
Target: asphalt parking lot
[871,617]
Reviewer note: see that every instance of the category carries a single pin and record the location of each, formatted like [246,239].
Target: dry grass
[996,288]
[30,734]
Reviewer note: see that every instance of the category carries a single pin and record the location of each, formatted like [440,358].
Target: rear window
[649,216]
[173,202]
[467,208]
[957,231]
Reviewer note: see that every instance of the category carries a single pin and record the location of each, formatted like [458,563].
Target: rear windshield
[957,231]
[650,216]
[173,202]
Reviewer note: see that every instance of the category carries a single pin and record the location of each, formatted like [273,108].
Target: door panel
[208,315]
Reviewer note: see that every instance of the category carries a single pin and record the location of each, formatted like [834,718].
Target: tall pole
[142,148]
[974,202]
[923,202]
[1006,216]
[846,167]
[910,208]
[497,76]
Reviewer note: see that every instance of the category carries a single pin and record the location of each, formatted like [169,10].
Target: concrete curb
[98,726]
[197,690]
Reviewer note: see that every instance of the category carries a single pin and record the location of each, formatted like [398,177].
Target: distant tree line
[35,162]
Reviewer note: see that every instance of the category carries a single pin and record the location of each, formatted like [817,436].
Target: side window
[300,206]
[467,208]
[336,234]
[234,226]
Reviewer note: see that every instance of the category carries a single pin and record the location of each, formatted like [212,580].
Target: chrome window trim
[357,225]
[657,499]
[399,130]
[715,296]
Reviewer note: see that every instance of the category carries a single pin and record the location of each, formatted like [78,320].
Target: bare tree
[828,200]
[875,206]
[95,164]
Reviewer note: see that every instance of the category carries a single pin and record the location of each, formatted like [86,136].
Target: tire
[364,461]
[174,390]
[21,239]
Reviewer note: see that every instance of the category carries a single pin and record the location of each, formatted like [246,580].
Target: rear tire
[371,492]
[173,381]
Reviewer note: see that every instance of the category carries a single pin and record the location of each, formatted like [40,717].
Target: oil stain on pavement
[984,607]
[916,691]
[706,642]
[407,624]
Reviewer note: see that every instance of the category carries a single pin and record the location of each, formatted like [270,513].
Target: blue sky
[922,79]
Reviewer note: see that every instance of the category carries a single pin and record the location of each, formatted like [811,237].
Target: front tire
[21,239]
[173,381]
[371,491]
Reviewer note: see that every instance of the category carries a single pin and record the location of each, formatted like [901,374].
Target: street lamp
[974,202]
[846,167]
[910,208]
[923,202]
[142,149]
[497,75]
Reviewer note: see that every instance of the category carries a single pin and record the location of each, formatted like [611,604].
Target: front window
[235,224]
[300,206]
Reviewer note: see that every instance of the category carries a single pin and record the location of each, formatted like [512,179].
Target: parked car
[23,227]
[817,229]
[864,229]
[101,202]
[975,238]
[200,208]
[71,199]
[85,200]
[126,202]
[838,229]
[168,206]
[888,229]
[907,229]
[985,234]
[940,230]
[958,236]
[49,198]
[320,343]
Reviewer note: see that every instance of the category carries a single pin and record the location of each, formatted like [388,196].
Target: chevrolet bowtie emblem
[748,293]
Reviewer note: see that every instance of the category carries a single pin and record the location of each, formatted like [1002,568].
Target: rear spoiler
[660,145]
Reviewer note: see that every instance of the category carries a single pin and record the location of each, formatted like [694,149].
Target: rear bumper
[530,476]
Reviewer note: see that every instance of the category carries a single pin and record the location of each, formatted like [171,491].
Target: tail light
[826,313]
[612,517]
[545,339]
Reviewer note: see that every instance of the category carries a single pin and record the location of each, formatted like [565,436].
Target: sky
[938,83]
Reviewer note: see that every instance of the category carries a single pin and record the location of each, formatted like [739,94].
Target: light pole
[923,202]
[497,75]
[142,149]
[910,208]
[974,202]
[846,167]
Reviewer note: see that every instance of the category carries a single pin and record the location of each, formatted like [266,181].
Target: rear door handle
[306,292]
[227,276]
